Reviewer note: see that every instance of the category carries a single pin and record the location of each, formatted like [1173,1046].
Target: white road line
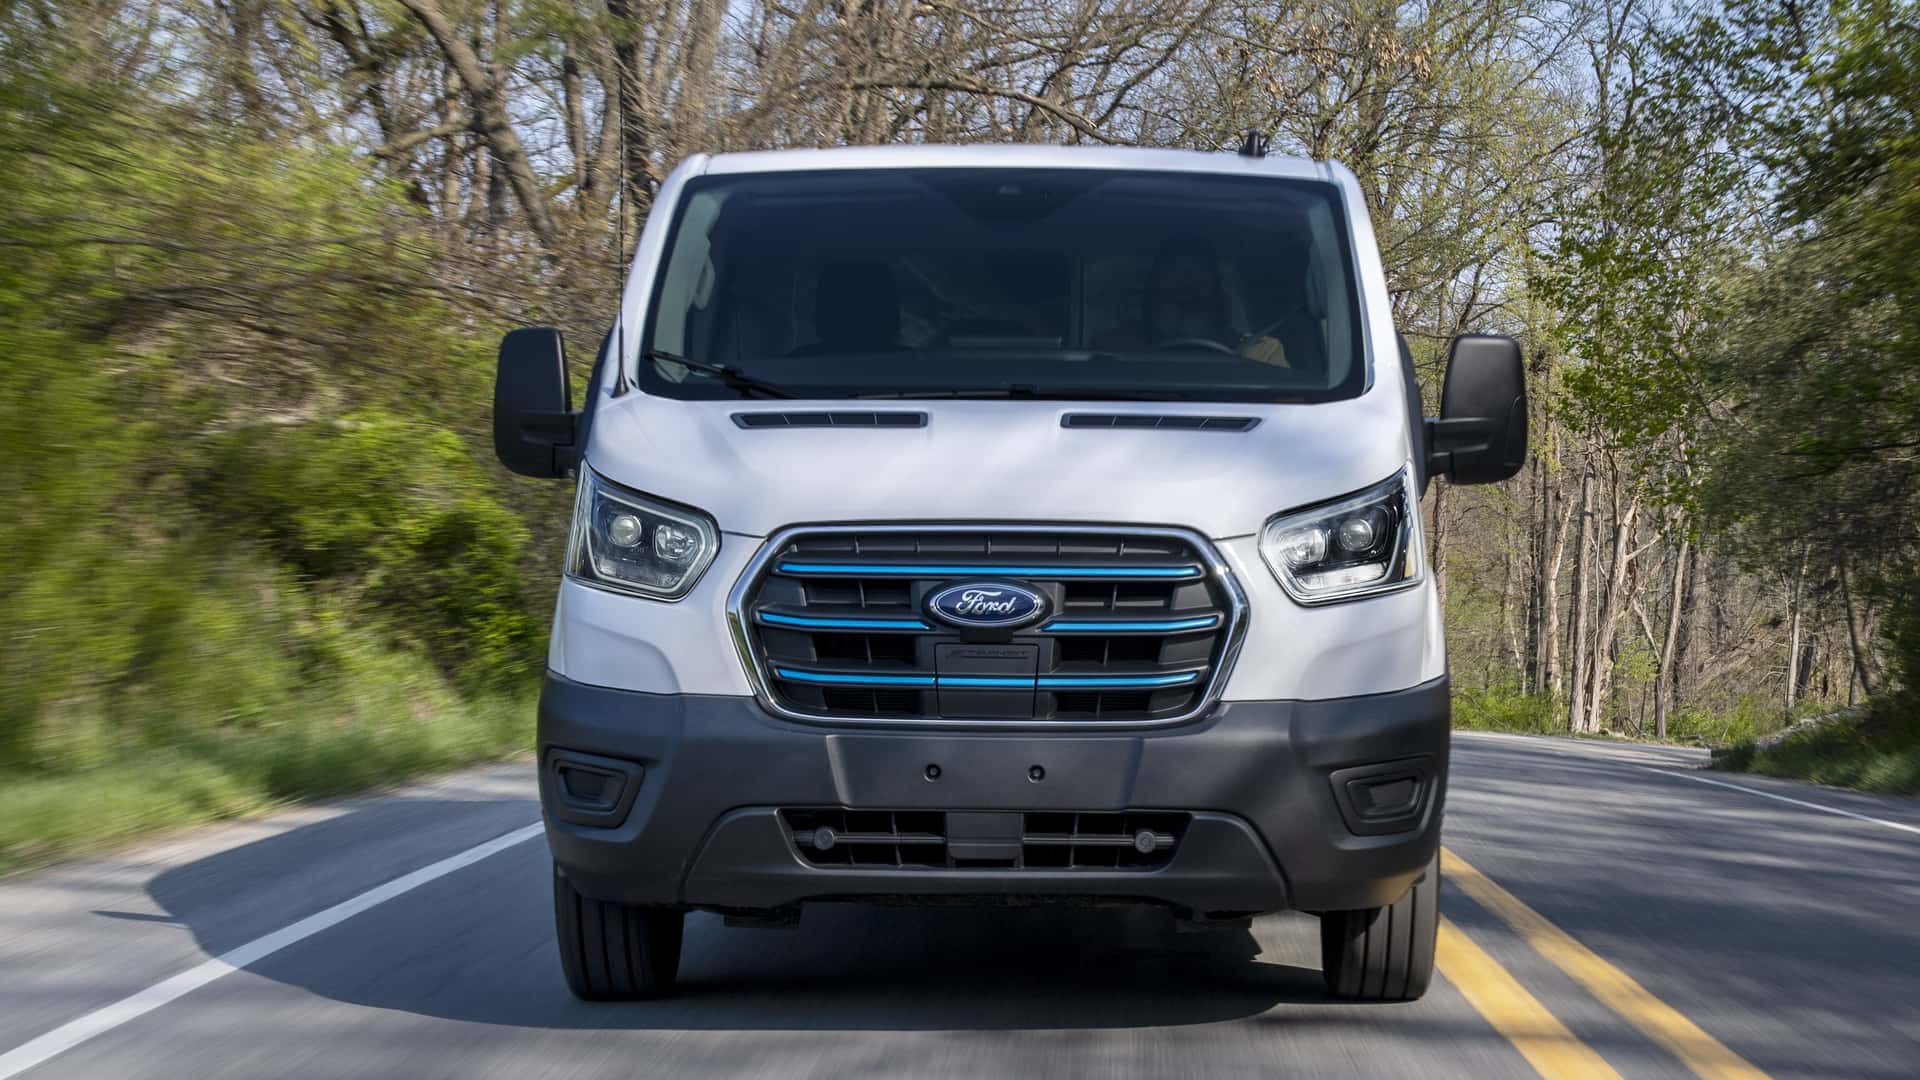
[1915,829]
[1592,748]
[1625,754]
[100,1021]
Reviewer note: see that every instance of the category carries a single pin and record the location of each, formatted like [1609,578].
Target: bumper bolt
[933,772]
[1036,774]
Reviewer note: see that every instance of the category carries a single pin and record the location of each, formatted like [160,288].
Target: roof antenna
[1254,145]
[620,257]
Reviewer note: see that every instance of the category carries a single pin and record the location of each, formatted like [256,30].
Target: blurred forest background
[255,256]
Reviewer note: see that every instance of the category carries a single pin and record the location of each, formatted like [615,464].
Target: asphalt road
[1608,910]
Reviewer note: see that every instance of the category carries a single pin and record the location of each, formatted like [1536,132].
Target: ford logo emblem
[994,605]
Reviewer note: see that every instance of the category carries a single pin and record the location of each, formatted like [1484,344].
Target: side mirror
[534,425]
[1480,436]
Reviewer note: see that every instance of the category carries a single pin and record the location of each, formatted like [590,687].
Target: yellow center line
[1540,1037]
[1664,1024]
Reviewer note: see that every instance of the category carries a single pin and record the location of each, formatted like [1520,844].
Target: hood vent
[830,419]
[1176,422]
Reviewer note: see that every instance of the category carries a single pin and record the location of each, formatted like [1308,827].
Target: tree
[1818,361]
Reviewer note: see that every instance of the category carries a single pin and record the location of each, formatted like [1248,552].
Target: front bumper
[1278,790]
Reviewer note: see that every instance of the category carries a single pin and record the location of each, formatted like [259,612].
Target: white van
[1006,524]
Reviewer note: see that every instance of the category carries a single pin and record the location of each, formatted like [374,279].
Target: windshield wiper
[732,377]
[744,383]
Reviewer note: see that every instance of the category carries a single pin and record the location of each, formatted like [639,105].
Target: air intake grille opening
[860,701]
[1136,624]
[839,418]
[917,840]
[1165,423]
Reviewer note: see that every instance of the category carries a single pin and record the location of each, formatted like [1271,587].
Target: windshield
[1006,282]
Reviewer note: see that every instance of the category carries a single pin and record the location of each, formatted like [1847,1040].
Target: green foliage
[360,735]
[1817,362]
[1634,269]
[1506,708]
[250,554]
[386,509]
[1751,716]
[1877,752]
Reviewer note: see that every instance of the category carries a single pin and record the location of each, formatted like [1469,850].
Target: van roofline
[1018,157]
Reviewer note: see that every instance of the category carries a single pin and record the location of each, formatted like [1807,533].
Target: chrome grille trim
[1213,569]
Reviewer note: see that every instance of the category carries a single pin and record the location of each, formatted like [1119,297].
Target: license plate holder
[984,772]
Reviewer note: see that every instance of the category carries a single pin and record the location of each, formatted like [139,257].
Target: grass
[1507,709]
[332,746]
[197,682]
[1504,708]
[1878,752]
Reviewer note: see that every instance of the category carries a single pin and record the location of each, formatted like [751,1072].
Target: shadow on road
[478,947]
[984,968]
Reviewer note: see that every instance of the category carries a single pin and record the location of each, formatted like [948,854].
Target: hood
[997,461]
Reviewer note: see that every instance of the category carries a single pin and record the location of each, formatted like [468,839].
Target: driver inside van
[1186,302]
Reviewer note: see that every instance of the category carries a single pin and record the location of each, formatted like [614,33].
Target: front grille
[1049,840]
[1138,625]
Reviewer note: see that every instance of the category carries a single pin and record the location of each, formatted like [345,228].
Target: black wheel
[612,952]
[1383,953]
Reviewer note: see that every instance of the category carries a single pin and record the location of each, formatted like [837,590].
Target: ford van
[1000,524]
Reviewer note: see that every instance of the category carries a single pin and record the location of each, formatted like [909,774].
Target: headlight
[1360,545]
[624,541]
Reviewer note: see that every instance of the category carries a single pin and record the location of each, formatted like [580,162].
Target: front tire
[613,952]
[1384,953]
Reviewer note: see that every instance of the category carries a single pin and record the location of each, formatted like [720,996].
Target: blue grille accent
[991,570]
[1114,682]
[826,678]
[987,682]
[1146,626]
[812,622]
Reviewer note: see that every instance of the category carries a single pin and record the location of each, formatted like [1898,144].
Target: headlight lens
[624,541]
[1363,544]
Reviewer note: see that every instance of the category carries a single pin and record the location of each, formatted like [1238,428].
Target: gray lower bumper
[1280,817]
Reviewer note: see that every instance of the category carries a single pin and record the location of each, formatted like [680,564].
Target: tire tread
[614,952]
[1384,953]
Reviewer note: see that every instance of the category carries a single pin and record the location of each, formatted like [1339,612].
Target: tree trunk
[1859,638]
[1670,647]
[490,120]
[1551,679]
[1619,583]
[1509,628]
[1582,600]
[1689,627]
[452,159]
[704,23]
[573,103]
[1532,675]
[1805,668]
[1795,602]
[478,184]
[636,143]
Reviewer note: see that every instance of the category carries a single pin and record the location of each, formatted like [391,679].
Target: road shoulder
[82,935]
